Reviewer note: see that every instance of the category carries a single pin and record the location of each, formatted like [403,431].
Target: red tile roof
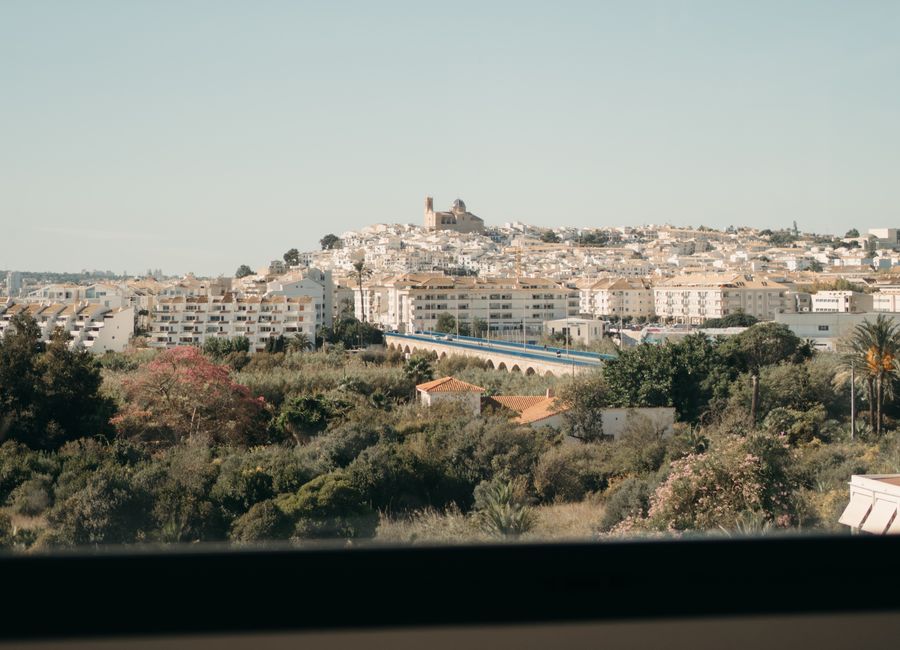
[547,407]
[516,403]
[449,385]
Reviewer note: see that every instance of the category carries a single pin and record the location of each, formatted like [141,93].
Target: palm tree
[418,369]
[360,267]
[300,342]
[873,348]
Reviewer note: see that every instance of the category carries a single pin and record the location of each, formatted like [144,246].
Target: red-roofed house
[451,389]
[542,410]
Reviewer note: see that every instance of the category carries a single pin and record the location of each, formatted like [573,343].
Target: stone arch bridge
[501,355]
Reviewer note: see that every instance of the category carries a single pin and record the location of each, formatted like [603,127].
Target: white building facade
[415,302]
[616,298]
[841,302]
[192,320]
[95,327]
[696,298]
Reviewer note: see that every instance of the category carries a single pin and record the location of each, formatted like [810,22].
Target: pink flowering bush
[737,476]
[181,394]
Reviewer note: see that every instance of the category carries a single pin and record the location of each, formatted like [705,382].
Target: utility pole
[852,401]
[489,321]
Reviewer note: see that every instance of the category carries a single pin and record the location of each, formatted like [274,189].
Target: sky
[195,136]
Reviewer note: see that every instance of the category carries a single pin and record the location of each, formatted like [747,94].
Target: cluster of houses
[538,411]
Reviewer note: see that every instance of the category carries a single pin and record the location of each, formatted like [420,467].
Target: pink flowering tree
[181,394]
[736,478]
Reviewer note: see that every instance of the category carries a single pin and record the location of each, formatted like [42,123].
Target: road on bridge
[558,360]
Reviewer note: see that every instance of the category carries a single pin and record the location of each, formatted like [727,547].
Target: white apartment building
[695,298]
[109,295]
[842,302]
[312,283]
[615,297]
[415,302]
[191,320]
[56,293]
[95,327]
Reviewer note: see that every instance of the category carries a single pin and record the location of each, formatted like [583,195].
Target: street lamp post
[852,401]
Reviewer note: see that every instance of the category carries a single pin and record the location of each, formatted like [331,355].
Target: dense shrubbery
[291,445]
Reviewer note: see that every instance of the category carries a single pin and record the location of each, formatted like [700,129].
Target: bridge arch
[489,364]
[501,366]
[529,371]
[515,368]
[406,350]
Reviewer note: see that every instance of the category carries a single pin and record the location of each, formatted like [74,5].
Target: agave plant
[500,512]
[748,524]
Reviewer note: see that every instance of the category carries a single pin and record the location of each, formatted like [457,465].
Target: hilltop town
[504,281]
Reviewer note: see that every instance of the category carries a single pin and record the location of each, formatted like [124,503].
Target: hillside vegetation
[185,445]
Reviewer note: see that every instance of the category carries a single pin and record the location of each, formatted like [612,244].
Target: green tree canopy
[49,393]
[445,323]
[243,271]
[683,375]
[737,319]
[292,257]
[330,242]
[764,344]
[782,238]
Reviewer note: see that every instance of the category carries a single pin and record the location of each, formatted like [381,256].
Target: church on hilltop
[457,218]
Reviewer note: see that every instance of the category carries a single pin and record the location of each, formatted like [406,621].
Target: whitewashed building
[95,327]
[616,297]
[415,302]
[192,320]
[841,301]
[696,298]
[576,330]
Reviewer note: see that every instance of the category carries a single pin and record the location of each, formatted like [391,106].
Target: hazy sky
[196,136]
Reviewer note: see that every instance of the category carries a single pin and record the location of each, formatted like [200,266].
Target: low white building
[886,300]
[874,502]
[616,420]
[825,329]
[841,302]
[576,330]
[540,411]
